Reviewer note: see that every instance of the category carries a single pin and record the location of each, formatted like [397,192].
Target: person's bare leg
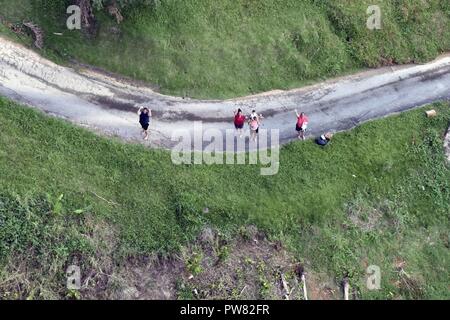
[302,134]
[145,135]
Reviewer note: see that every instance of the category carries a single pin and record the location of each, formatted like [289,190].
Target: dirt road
[108,105]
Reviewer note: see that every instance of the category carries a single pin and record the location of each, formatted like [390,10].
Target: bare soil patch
[247,267]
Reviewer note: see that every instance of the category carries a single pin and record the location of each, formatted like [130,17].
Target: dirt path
[108,105]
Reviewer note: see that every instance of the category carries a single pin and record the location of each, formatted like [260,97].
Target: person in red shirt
[239,121]
[302,124]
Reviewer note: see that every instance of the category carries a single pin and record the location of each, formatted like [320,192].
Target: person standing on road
[302,124]
[254,123]
[239,121]
[254,114]
[144,120]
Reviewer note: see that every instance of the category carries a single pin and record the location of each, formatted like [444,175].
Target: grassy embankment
[378,194]
[218,49]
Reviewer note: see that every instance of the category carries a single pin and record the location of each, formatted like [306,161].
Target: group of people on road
[253,120]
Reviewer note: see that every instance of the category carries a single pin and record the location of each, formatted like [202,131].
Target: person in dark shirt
[324,139]
[144,119]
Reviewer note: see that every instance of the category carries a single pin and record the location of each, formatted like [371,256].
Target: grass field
[378,194]
[218,49]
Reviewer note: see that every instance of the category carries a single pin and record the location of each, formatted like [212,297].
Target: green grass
[218,49]
[39,240]
[394,167]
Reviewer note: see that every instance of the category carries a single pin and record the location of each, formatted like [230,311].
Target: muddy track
[108,105]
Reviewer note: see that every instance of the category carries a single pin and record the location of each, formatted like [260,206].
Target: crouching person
[324,139]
